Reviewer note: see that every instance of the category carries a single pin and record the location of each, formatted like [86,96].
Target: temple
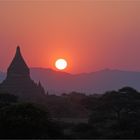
[18,81]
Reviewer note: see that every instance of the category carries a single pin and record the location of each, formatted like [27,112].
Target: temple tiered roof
[18,81]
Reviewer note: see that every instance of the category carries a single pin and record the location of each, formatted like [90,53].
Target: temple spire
[18,49]
[18,65]
[19,82]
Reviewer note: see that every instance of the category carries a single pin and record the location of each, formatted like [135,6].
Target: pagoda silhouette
[18,81]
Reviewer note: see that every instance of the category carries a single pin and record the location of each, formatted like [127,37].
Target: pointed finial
[18,53]
[18,65]
[18,48]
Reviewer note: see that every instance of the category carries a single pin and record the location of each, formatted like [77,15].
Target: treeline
[114,114]
[25,120]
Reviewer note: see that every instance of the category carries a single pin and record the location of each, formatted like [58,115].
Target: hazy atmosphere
[69,69]
[90,35]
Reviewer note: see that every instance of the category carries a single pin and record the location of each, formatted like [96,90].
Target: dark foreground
[115,114]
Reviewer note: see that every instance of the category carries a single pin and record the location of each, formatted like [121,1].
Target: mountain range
[57,82]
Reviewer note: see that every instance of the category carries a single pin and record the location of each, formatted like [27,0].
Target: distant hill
[57,82]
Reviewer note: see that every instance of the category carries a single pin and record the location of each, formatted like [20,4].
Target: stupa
[18,81]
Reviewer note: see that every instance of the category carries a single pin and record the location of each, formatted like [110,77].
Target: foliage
[25,120]
[117,113]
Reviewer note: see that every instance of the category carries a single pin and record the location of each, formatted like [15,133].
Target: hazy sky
[91,35]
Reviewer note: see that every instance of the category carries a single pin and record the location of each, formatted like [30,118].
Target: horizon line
[105,69]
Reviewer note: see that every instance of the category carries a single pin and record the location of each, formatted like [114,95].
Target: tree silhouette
[26,121]
[118,113]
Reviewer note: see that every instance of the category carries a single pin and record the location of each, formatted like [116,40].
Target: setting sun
[61,64]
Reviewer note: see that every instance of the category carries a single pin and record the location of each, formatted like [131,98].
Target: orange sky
[91,35]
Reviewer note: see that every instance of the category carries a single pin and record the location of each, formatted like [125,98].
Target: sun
[61,64]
